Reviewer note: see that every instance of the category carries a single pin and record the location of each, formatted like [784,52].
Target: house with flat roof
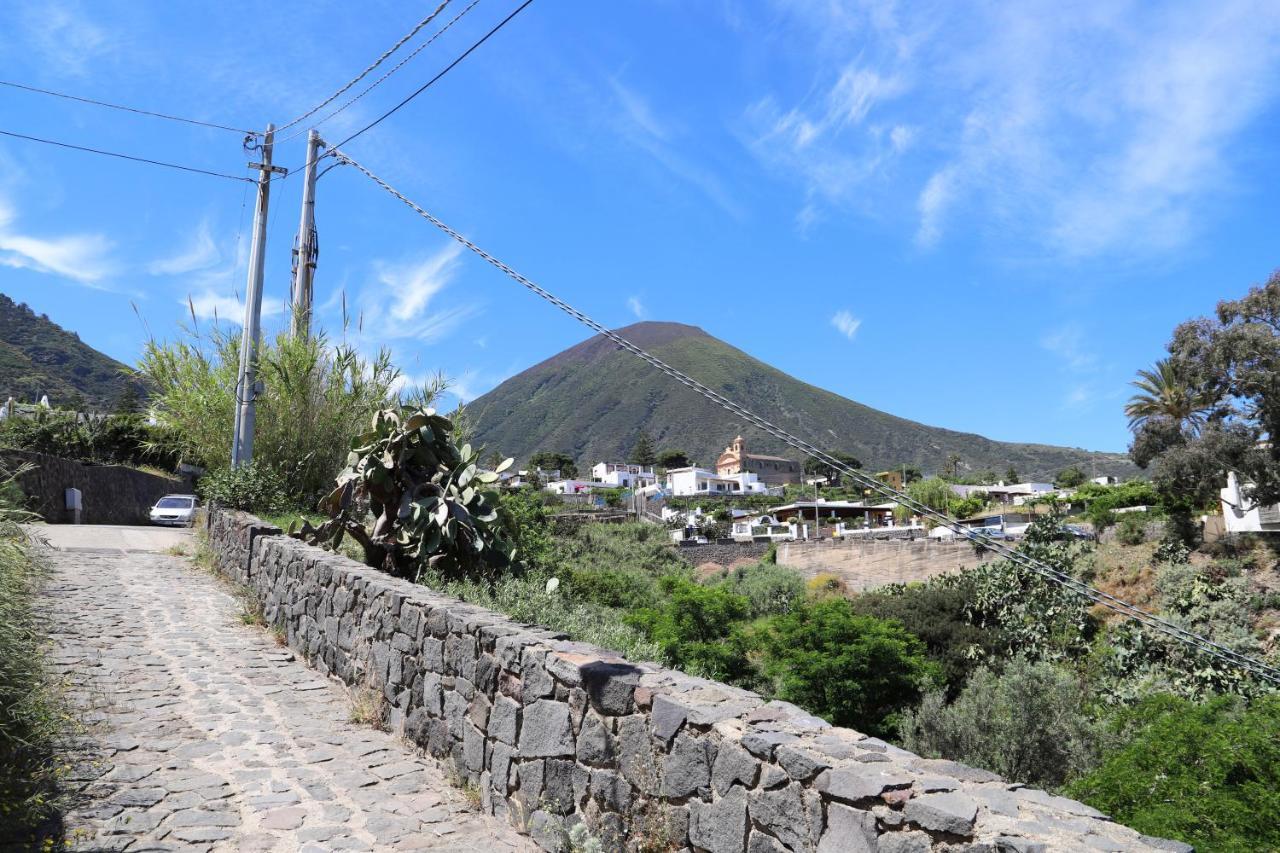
[623,475]
[699,481]
[1242,514]
[770,470]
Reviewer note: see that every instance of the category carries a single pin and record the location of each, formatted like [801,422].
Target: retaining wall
[867,564]
[557,732]
[110,494]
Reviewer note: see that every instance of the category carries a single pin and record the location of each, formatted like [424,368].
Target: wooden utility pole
[247,385]
[307,251]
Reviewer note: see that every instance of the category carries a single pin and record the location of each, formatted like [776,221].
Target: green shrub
[939,615]
[253,488]
[528,525]
[853,670]
[1028,723]
[693,627]
[769,589]
[1132,528]
[1207,774]
[317,395]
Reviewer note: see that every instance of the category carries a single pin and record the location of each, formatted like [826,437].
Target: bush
[770,589]
[853,670]
[32,719]
[528,525]
[1207,774]
[317,396]
[938,615]
[1132,528]
[693,627]
[253,488]
[1027,723]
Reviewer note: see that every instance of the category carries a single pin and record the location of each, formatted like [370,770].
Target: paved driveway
[207,735]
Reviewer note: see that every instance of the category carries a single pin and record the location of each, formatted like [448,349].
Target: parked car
[175,510]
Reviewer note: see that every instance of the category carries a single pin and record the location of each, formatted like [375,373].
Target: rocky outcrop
[556,732]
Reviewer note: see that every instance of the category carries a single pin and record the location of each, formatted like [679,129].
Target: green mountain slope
[593,400]
[37,356]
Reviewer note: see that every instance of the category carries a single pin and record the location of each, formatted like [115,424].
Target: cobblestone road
[206,735]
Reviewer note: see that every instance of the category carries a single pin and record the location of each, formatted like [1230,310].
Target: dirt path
[206,735]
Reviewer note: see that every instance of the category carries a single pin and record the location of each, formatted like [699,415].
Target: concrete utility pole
[307,252]
[247,386]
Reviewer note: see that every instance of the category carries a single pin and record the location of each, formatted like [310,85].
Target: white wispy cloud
[638,124]
[846,324]
[400,302]
[635,306]
[200,253]
[1087,128]
[85,258]
[66,37]
[210,305]
[1068,344]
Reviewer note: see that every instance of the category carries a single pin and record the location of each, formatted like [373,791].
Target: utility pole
[247,380]
[307,251]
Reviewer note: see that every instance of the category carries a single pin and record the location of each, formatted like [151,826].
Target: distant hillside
[593,400]
[37,356]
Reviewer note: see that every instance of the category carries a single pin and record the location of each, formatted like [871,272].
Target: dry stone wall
[111,494]
[556,733]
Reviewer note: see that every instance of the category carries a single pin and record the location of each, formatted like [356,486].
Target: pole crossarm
[1130,611]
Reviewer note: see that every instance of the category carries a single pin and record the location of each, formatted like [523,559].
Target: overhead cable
[386,53]
[1111,602]
[376,83]
[425,86]
[126,156]
[127,109]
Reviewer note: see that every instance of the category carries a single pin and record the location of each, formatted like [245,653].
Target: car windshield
[174,503]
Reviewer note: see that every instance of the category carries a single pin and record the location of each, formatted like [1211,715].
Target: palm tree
[1163,393]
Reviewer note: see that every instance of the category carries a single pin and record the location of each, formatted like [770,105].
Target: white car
[175,510]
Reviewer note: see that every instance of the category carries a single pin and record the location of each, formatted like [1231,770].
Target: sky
[981,216]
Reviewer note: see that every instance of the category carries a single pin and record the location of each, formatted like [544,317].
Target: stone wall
[723,553]
[867,564]
[555,732]
[110,494]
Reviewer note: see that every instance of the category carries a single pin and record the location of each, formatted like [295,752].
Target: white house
[620,475]
[1240,514]
[766,528]
[1013,493]
[570,487]
[700,481]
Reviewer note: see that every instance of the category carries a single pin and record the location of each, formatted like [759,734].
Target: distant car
[175,510]
[1078,531]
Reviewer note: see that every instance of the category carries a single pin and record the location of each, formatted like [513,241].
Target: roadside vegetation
[34,723]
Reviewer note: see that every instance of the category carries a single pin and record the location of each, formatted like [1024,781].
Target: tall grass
[317,396]
[32,718]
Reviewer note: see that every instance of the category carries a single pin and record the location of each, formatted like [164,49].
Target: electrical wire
[127,109]
[126,156]
[401,64]
[413,32]
[424,87]
[1111,602]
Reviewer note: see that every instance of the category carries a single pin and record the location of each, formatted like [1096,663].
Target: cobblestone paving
[206,735]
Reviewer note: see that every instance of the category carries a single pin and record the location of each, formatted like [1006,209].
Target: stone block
[951,812]
[610,790]
[636,758]
[545,730]
[667,716]
[733,766]
[478,712]
[433,654]
[848,830]
[854,782]
[473,748]
[781,812]
[547,832]
[504,720]
[595,743]
[557,792]
[460,656]
[801,764]
[687,768]
[721,825]
[536,682]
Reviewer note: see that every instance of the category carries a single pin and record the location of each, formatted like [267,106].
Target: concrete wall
[869,564]
[110,494]
[556,732]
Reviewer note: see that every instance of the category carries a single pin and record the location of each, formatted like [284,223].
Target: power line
[413,32]
[128,109]
[424,87]
[376,83]
[1057,576]
[125,156]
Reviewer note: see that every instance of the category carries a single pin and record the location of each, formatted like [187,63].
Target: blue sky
[980,216]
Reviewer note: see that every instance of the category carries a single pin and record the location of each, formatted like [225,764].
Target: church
[770,470]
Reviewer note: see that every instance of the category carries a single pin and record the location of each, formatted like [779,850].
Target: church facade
[771,470]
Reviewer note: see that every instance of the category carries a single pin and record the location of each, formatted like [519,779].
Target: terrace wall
[556,732]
